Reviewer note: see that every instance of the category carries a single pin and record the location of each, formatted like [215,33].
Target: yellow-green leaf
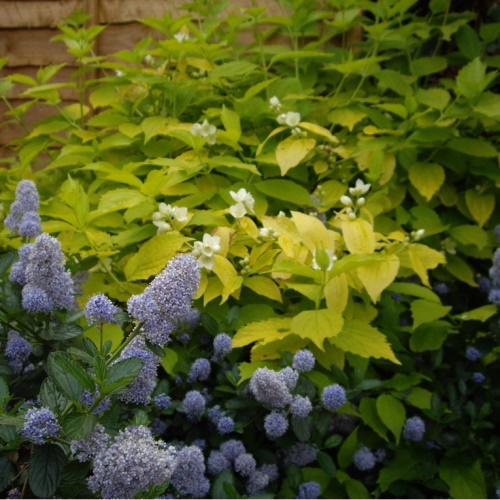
[420,398]
[364,340]
[480,205]
[358,236]
[269,329]
[427,178]
[482,313]
[152,125]
[337,293]
[270,350]
[465,481]
[169,361]
[231,121]
[425,311]
[392,413]
[423,258]
[313,232]
[347,117]
[291,152]
[377,276]
[153,256]
[461,270]
[318,130]
[317,325]
[118,199]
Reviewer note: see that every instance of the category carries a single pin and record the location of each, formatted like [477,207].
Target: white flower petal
[238,210]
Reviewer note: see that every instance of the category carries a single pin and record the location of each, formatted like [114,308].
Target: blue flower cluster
[99,309]
[40,270]
[414,429]
[301,454]
[333,396]
[93,444]
[270,387]
[310,489]
[303,361]
[40,425]
[223,345]
[18,351]
[364,459]
[194,405]
[139,391]
[199,371]
[189,476]
[472,354]
[23,218]
[162,402]
[165,305]
[131,464]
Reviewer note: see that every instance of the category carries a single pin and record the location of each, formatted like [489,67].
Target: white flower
[292,119]
[205,130]
[180,214]
[275,104]
[148,59]
[162,226]
[281,119]
[345,200]
[244,197]
[331,259]
[181,36]
[417,234]
[119,73]
[360,188]
[296,131]
[361,201]
[238,210]
[267,232]
[205,250]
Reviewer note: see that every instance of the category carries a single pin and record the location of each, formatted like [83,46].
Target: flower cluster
[18,351]
[356,200]
[199,371]
[205,250]
[310,489]
[414,429]
[333,396]
[131,464]
[205,130]
[364,459]
[93,444]
[165,305]
[166,215]
[189,475]
[99,309]
[244,203]
[40,270]
[223,345]
[40,425]
[24,218]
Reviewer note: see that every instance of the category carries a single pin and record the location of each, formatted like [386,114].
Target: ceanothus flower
[301,454]
[303,361]
[99,309]
[18,270]
[40,425]
[139,391]
[310,490]
[189,476]
[193,404]
[199,371]
[300,407]
[232,448]
[217,462]
[257,482]
[131,464]
[414,429]
[27,202]
[225,425]
[223,345]
[91,445]
[18,351]
[165,305]
[162,402]
[290,377]
[270,470]
[472,354]
[275,425]
[30,225]
[478,378]
[269,387]
[245,464]
[333,396]
[364,459]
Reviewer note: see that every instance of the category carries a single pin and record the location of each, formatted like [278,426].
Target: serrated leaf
[269,329]
[65,381]
[427,178]
[480,205]
[358,236]
[290,152]
[317,325]
[378,275]
[392,413]
[154,255]
[122,373]
[78,425]
[482,313]
[461,270]
[264,286]
[45,468]
[465,481]
[423,258]
[51,397]
[471,79]
[364,340]
[425,311]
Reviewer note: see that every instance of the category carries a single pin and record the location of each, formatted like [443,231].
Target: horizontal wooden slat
[46,13]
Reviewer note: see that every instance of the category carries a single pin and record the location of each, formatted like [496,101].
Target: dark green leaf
[218,490]
[140,418]
[78,425]
[70,367]
[302,428]
[294,476]
[327,464]
[122,373]
[100,368]
[6,261]
[46,465]
[155,349]
[7,471]
[341,377]
[89,346]
[468,42]
[333,441]
[4,394]
[51,397]
[65,332]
